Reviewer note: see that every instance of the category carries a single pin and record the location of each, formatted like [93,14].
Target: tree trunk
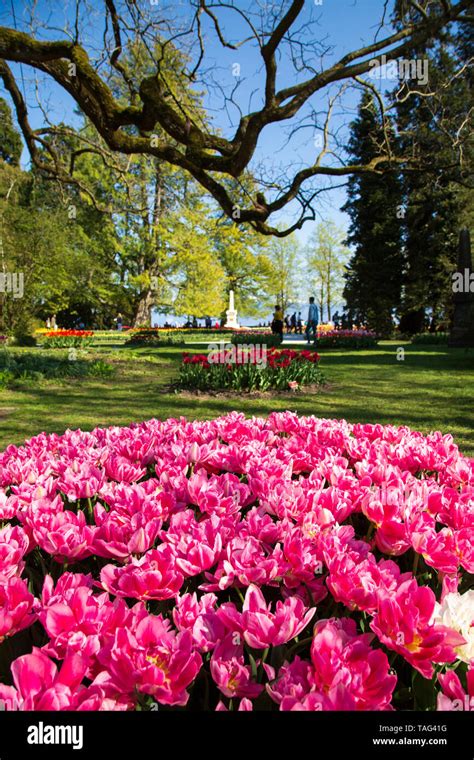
[143,312]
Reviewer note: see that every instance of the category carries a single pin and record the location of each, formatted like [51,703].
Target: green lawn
[432,389]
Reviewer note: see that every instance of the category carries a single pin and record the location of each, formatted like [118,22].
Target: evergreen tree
[434,210]
[374,274]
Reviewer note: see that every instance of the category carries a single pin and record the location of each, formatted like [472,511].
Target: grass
[432,389]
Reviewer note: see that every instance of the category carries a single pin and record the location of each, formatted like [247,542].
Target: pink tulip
[14,544]
[229,672]
[403,623]
[81,480]
[41,686]
[197,545]
[77,620]
[200,618]
[454,698]
[122,470]
[152,659]
[153,576]
[16,606]
[259,626]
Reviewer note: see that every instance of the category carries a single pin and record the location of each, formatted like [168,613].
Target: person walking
[293,322]
[312,322]
[119,322]
[299,324]
[277,324]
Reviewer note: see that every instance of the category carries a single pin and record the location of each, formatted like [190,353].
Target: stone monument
[231,314]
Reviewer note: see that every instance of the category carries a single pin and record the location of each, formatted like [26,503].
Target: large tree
[435,211]
[152,120]
[374,274]
[326,257]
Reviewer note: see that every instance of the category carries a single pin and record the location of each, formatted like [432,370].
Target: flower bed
[256,338]
[67,338]
[352,339]
[286,563]
[246,370]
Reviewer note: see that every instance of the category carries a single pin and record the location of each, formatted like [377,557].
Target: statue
[231,321]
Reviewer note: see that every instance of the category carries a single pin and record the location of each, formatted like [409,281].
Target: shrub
[245,371]
[158,336]
[28,367]
[24,340]
[431,339]
[256,338]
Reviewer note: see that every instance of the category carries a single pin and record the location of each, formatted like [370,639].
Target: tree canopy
[149,115]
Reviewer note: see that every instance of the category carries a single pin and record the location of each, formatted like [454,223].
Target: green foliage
[21,338]
[435,210]
[10,141]
[326,257]
[346,341]
[256,339]
[285,278]
[66,341]
[249,376]
[374,275]
[175,337]
[33,367]
[431,339]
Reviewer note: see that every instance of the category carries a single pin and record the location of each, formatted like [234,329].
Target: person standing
[313,319]
[277,324]
[299,324]
[119,321]
[293,322]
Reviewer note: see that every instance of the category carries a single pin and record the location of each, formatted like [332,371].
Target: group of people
[51,323]
[295,322]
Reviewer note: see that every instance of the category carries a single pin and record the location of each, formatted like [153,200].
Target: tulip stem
[301,643]
[415,563]
[90,510]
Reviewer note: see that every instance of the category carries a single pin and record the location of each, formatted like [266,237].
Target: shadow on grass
[431,390]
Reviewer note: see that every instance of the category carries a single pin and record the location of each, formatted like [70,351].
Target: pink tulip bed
[287,563]
[351,339]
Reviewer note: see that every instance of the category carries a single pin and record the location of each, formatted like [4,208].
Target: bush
[24,339]
[256,339]
[286,563]
[431,339]
[245,371]
[157,336]
[67,339]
